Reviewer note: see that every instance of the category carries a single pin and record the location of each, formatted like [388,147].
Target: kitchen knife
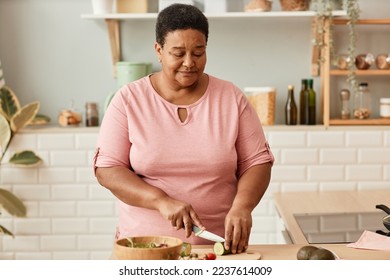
[206,234]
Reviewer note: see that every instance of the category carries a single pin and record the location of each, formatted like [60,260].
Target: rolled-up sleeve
[252,146]
[113,144]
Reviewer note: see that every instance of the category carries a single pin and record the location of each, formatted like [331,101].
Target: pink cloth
[372,241]
[198,160]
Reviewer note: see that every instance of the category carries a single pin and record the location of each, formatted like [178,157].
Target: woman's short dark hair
[180,17]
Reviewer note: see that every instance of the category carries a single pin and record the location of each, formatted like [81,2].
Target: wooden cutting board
[248,255]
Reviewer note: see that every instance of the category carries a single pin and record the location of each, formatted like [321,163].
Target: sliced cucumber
[219,249]
[186,249]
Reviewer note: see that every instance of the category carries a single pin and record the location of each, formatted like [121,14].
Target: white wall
[51,55]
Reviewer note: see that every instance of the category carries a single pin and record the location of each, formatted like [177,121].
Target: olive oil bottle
[311,103]
[304,103]
[291,110]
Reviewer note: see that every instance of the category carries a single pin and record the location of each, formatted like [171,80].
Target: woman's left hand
[238,224]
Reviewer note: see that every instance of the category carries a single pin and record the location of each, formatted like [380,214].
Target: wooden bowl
[122,251]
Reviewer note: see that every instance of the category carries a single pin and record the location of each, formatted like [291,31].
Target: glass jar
[384,108]
[382,61]
[364,61]
[344,96]
[343,61]
[362,102]
[91,114]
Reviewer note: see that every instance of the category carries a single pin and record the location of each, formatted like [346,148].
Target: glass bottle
[344,96]
[291,110]
[303,103]
[91,114]
[311,102]
[362,102]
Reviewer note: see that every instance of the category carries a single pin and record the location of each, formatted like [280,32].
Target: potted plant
[324,11]
[13,117]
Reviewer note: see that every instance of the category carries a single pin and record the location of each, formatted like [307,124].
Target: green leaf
[40,119]
[5,231]
[5,134]
[12,204]
[9,103]
[25,158]
[24,116]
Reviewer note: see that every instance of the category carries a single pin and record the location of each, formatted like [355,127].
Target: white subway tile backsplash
[56,141]
[299,187]
[22,243]
[338,186]
[291,139]
[58,242]
[263,224]
[85,175]
[70,225]
[281,173]
[386,138]
[364,138]
[70,216]
[32,191]
[326,139]
[364,172]
[83,255]
[57,209]
[103,225]
[98,192]
[386,173]
[95,208]
[338,155]
[86,141]
[322,173]
[374,155]
[101,255]
[23,141]
[32,226]
[7,222]
[32,208]
[69,158]
[69,191]
[374,185]
[33,256]
[299,156]
[258,238]
[95,242]
[19,175]
[57,175]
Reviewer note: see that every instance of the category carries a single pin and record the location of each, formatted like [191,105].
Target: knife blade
[206,234]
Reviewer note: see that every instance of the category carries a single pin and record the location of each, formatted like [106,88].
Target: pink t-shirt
[198,161]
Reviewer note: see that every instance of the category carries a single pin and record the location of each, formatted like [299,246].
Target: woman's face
[183,57]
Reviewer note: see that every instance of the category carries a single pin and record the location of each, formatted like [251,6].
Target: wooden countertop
[289,251]
[290,203]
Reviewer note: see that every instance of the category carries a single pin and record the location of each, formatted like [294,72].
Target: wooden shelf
[372,21]
[380,121]
[113,22]
[327,73]
[230,15]
[368,72]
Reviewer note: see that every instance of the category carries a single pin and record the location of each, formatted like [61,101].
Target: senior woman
[181,147]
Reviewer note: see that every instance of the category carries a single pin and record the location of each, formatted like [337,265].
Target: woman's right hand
[180,214]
